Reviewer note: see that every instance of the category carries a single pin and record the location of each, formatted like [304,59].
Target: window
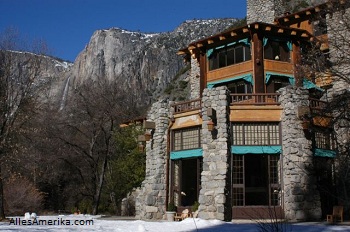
[228,56]
[276,83]
[256,134]
[188,138]
[324,140]
[277,50]
[240,87]
[255,180]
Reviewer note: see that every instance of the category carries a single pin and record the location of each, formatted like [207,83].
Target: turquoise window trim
[289,43]
[243,150]
[244,41]
[269,74]
[174,155]
[324,153]
[306,83]
[309,85]
[247,77]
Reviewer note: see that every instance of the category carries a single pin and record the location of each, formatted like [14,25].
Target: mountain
[142,63]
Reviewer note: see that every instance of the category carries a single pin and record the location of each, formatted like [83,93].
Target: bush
[20,196]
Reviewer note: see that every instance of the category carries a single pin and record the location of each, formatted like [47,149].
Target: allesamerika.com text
[51,222]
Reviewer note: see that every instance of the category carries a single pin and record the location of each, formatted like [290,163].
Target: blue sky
[67,25]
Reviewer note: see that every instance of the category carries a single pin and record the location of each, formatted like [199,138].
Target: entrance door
[256,180]
[255,186]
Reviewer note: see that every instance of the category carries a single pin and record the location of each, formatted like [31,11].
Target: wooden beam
[304,35]
[280,30]
[293,33]
[191,47]
[256,26]
[181,53]
[233,33]
[199,45]
[286,19]
[308,12]
[268,28]
[210,41]
[245,30]
[297,16]
[317,9]
[221,37]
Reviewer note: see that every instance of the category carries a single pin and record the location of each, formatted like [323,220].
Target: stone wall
[195,79]
[212,196]
[264,10]
[301,197]
[150,203]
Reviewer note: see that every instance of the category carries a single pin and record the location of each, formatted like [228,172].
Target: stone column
[150,203]
[215,144]
[300,195]
[195,79]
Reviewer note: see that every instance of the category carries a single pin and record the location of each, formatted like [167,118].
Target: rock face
[46,70]
[142,63]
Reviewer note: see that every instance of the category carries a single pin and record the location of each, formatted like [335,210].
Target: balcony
[255,99]
[187,106]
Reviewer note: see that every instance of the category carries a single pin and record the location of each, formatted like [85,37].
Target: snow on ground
[97,224]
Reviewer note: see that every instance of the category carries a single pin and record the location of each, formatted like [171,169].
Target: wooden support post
[258,64]
[297,65]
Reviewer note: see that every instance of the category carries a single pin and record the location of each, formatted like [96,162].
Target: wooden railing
[317,106]
[186,106]
[255,99]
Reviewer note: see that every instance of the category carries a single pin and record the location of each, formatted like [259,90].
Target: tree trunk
[97,195]
[2,210]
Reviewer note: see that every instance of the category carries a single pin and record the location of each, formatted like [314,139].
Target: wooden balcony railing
[186,106]
[255,99]
[317,106]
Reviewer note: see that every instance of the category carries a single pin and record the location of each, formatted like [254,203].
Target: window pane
[213,61]
[247,54]
[261,134]
[239,57]
[188,138]
[222,58]
[230,56]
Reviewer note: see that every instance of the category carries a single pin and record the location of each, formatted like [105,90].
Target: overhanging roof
[289,19]
[244,32]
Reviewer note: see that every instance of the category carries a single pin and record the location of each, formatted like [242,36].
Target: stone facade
[300,195]
[194,77]
[214,178]
[150,203]
[268,10]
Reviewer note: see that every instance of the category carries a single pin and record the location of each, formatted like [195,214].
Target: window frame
[240,131]
[219,58]
[181,132]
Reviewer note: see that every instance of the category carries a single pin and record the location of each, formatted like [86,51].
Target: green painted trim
[324,153]
[246,77]
[174,155]
[243,150]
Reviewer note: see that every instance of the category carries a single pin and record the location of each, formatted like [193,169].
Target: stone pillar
[195,79]
[150,203]
[300,194]
[264,10]
[215,144]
